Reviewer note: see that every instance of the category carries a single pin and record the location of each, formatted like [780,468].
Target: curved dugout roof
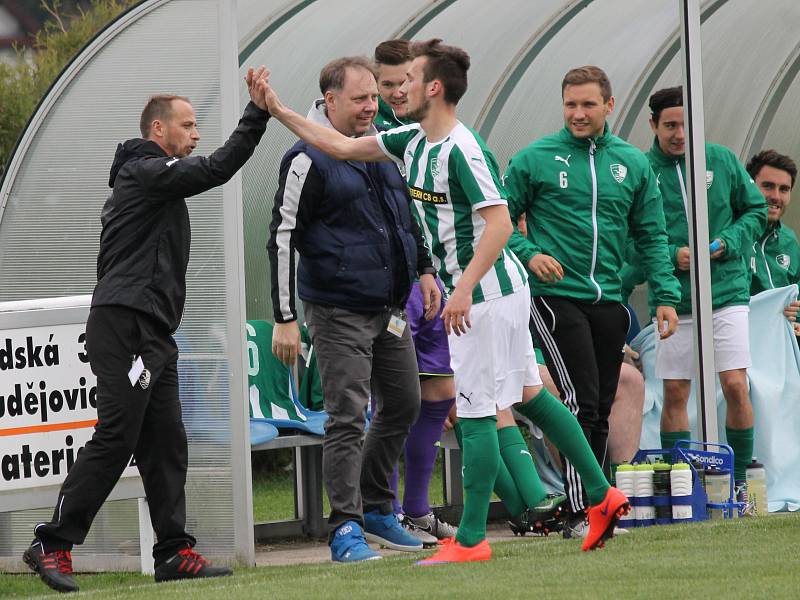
[520,52]
[519,56]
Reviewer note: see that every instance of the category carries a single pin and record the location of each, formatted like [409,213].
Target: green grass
[745,558]
[273,494]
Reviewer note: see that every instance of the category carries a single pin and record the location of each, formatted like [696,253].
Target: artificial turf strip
[745,558]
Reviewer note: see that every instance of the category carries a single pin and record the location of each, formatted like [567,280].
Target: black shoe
[547,516]
[527,523]
[188,564]
[55,568]
[543,519]
[519,525]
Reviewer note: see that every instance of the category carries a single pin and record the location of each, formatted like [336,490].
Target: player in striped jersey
[458,196]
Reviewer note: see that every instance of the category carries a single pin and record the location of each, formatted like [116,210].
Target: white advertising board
[48,396]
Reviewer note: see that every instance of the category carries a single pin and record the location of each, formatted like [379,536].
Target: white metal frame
[697,206]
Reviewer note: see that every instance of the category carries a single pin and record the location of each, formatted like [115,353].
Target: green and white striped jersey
[449,181]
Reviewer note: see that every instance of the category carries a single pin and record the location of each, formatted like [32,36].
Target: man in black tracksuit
[136,307]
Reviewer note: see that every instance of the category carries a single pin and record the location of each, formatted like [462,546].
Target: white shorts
[494,359]
[675,355]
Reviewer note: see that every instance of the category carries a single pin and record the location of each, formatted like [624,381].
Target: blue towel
[261,432]
[774,391]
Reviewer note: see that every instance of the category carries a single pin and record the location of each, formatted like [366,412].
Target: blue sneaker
[349,545]
[387,531]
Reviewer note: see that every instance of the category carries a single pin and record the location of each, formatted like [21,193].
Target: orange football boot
[603,518]
[453,552]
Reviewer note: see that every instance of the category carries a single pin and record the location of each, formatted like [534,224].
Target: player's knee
[530,392]
[735,390]
[676,393]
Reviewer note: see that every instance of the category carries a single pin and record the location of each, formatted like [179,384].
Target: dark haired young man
[437,391]
[584,191]
[775,256]
[518,484]
[737,215]
[392,59]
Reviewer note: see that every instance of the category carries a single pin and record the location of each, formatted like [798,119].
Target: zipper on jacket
[592,147]
[683,191]
[764,256]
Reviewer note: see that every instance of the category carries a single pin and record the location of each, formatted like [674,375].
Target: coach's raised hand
[256,82]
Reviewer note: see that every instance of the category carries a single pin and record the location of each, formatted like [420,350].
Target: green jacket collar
[600,141]
[662,158]
[776,226]
[387,113]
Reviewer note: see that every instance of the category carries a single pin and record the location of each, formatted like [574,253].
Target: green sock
[668,439]
[504,485]
[481,459]
[614,467]
[517,457]
[561,427]
[741,442]
[507,491]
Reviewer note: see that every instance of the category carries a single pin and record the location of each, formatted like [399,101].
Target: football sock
[504,485]
[481,459]
[517,458]
[668,439]
[420,453]
[561,427]
[741,442]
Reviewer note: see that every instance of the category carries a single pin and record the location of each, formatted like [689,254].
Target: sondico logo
[783,260]
[426,196]
[705,460]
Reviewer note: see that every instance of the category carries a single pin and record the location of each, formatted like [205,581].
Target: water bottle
[661,493]
[700,469]
[643,499]
[718,488]
[680,479]
[626,484]
[757,489]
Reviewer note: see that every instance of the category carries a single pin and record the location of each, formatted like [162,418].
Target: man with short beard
[774,258]
[392,59]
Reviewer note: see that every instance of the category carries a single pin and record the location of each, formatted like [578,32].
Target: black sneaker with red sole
[188,564]
[55,568]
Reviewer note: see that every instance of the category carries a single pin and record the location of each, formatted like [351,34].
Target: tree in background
[63,35]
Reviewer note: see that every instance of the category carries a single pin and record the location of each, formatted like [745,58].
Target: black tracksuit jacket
[144,244]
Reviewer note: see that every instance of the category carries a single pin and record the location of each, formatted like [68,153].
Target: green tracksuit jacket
[582,198]
[774,259]
[386,119]
[737,214]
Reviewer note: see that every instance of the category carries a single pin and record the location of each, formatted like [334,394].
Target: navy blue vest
[346,253]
